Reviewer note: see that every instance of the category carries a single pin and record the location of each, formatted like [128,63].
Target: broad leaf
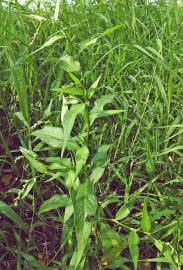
[145,220]
[68,223]
[51,41]
[27,187]
[99,106]
[30,156]
[66,162]
[133,242]
[69,119]
[99,163]
[73,263]
[97,174]
[94,86]
[150,166]
[81,158]
[56,13]
[55,202]
[112,243]
[56,166]
[54,137]
[69,64]
[100,157]
[123,212]
[85,206]
[75,79]
[69,210]
[101,102]
[98,114]
[74,91]
[71,180]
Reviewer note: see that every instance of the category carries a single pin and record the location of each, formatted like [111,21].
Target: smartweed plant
[91,135]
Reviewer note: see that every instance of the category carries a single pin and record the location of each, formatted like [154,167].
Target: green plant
[92,93]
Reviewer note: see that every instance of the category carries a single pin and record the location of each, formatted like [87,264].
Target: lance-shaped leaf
[98,109]
[85,206]
[54,202]
[133,242]
[74,91]
[105,113]
[54,137]
[27,187]
[99,163]
[69,119]
[145,220]
[81,158]
[111,30]
[48,43]
[11,214]
[112,243]
[87,43]
[69,64]
[31,157]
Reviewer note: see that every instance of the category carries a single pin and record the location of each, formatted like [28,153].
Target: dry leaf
[7,179]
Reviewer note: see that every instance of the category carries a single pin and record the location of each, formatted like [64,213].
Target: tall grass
[93,92]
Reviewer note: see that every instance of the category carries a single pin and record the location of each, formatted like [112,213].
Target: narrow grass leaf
[36,17]
[161,89]
[56,13]
[20,116]
[156,53]
[11,214]
[48,43]
[34,262]
[144,51]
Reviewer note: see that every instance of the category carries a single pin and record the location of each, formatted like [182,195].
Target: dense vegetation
[91,135]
